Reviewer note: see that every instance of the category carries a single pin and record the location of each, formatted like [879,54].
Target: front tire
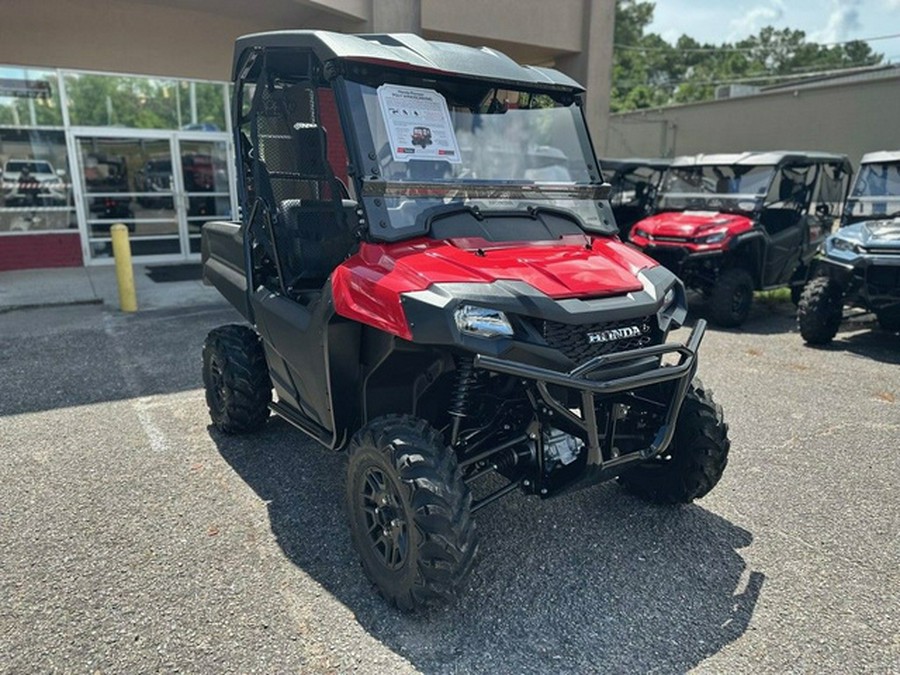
[798,283]
[731,297]
[820,311]
[410,512]
[695,460]
[238,388]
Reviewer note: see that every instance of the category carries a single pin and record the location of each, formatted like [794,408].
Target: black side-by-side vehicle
[859,265]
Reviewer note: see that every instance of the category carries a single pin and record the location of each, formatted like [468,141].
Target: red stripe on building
[28,251]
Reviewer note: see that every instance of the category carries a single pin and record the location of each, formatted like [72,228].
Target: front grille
[676,240]
[883,279]
[573,341]
[669,257]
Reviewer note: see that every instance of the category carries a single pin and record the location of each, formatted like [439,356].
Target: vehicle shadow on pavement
[596,580]
[76,356]
[766,318]
[865,340]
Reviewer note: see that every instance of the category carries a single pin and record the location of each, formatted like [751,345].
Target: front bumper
[870,281]
[692,267]
[602,376]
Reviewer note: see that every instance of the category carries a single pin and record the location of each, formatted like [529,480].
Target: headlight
[668,299]
[673,308]
[713,238]
[483,322]
[843,245]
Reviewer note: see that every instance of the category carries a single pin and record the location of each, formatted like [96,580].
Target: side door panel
[294,334]
[782,255]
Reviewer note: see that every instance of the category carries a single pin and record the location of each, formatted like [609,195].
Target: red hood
[367,287]
[689,224]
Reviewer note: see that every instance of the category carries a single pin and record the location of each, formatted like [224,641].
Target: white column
[396,16]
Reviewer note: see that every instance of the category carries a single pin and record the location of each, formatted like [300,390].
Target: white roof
[881,157]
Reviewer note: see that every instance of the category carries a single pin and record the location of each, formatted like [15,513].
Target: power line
[755,78]
[636,48]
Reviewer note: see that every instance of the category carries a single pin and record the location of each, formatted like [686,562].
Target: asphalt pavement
[134,538]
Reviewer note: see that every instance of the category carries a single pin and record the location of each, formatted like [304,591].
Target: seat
[313,238]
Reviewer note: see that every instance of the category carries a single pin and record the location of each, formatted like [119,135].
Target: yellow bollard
[124,271]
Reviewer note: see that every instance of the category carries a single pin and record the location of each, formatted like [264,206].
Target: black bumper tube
[588,380]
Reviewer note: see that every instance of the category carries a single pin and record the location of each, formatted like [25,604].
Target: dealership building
[852,112]
[118,110]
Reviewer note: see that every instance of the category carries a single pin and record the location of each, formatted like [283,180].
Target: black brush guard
[587,379]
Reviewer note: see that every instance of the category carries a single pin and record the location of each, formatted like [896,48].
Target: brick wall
[27,251]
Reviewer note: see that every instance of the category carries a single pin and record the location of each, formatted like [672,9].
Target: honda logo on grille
[612,334]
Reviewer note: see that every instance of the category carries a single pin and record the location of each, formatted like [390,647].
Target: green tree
[15,111]
[650,72]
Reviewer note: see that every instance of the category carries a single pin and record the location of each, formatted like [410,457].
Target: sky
[715,21]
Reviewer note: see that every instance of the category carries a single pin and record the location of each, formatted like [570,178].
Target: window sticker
[418,124]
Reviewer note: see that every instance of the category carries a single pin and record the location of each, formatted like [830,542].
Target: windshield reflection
[876,193]
[517,150]
[715,188]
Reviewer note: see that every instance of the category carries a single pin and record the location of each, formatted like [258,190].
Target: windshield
[715,188]
[493,149]
[634,186]
[15,166]
[876,192]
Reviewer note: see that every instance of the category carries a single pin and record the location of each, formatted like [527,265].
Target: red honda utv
[731,224]
[461,327]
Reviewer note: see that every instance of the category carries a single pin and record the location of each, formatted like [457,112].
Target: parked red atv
[731,224]
[460,327]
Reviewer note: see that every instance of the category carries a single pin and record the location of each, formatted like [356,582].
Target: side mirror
[823,210]
[61,173]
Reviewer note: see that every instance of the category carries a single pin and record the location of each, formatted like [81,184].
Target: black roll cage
[255,63]
[789,161]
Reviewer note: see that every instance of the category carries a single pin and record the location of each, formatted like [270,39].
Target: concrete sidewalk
[95,285]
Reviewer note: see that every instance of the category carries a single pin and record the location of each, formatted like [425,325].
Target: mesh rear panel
[294,172]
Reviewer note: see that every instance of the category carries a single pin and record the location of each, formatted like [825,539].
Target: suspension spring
[466,383]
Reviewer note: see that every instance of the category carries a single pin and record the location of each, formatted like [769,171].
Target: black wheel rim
[739,301]
[385,521]
[217,383]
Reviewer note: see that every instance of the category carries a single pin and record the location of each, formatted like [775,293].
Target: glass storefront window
[121,101]
[144,102]
[149,152]
[29,98]
[35,181]
[201,106]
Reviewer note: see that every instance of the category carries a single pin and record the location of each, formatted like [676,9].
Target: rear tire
[731,297]
[410,512]
[238,388]
[695,460]
[820,311]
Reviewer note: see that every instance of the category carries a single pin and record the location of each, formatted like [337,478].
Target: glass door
[205,182]
[129,179]
[164,186]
